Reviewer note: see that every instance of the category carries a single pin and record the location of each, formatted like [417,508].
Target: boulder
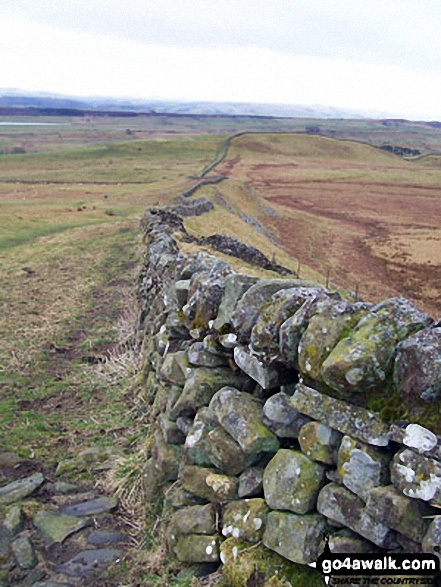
[245,519]
[364,359]
[418,367]
[198,355]
[281,417]
[240,414]
[362,467]
[339,415]
[175,368]
[208,484]
[197,548]
[295,537]
[201,386]
[267,376]
[291,481]
[226,454]
[250,304]
[235,286]
[319,442]
[340,505]
[281,305]
[417,476]
[18,490]
[331,321]
[392,508]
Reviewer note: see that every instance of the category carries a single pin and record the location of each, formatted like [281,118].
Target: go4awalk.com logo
[377,569]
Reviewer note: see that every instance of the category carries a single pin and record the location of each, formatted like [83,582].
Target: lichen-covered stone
[319,442]
[197,548]
[362,467]
[432,539]
[166,457]
[418,367]
[20,489]
[329,323]
[292,330]
[235,286]
[170,431]
[291,481]
[197,519]
[196,443]
[243,566]
[341,506]
[267,376]
[24,553]
[417,476]
[200,387]
[198,355]
[346,541]
[399,512]
[251,482]
[346,418]
[205,294]
[250,304]
[240,414]
[364,359]
[281,417]
[175,368]
[226,454]
[245,519]
[282,305]
[176,497]
[13,520]
[56,527]
[295,537]
[208,484]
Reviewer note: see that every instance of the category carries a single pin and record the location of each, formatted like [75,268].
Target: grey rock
[102,537]
[251,482]
[364,359]
[226,454]
[197,548]
[362,467]
[319,442]
[341,506]
[208,484]
[201,386]
[170,431]
[175,368]
[198,355]
[240,414]
[250,304]
[295,537]
[399,512]
[18,490]
[432,538]
[282,305]
[418,367]
[346,418]
[245,519]
[13,520]
[235,286]
[291,481]
[100,505]
[267,376]
[24,553]
[88,561]
[56,527]
[181,291]
[281,417]
[346,541]
[417,476]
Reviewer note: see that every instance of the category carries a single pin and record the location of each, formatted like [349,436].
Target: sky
[368,55]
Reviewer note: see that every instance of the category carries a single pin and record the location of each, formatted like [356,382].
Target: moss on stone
[242,564]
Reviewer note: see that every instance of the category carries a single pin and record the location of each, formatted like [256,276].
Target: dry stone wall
[283,412]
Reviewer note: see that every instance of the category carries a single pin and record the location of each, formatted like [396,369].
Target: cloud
[46,57]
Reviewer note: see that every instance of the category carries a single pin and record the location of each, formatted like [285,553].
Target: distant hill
[11,98]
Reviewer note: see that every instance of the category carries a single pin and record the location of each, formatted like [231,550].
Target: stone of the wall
[256,390]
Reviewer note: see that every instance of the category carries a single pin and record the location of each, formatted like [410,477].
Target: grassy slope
[67,254]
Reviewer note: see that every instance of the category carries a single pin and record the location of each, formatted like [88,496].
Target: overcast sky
[382,55]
